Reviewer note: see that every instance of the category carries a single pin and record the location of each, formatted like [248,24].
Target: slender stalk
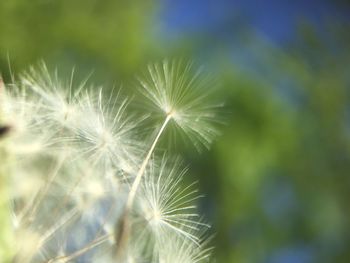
[60,224]
[141,172]
[94,243]
[124,227]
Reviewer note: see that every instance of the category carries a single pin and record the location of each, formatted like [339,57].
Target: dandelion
[106,133]
[85,186]
[165,206]
[175,249]
[59,100]
[180,93]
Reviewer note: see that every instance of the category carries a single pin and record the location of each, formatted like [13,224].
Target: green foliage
[283,162]
[111,34]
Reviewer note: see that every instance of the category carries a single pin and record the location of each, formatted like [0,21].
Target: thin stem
[124,228]
[60,224]
[141,172]
[94,243]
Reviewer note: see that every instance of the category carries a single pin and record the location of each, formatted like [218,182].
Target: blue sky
[274,19]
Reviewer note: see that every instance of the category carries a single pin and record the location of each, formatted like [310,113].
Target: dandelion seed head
[166,207]
[177,90]
[175,249]
[105,132]
[76,153]
[59,102]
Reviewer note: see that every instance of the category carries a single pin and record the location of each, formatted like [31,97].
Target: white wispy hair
[174,249]
[72,194]
[106,132]
[59,99]
[166,207]
[175,89]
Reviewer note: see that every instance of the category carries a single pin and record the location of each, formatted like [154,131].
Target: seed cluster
[89,182]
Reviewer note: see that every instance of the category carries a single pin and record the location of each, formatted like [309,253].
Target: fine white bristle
[86,181]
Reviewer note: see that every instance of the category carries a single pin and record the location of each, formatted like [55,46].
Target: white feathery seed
[80,163]
[106,132]
[175,88]
[174,249]
[165,205]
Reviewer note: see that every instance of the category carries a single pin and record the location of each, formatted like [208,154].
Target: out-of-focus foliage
[110,35]
[283,164]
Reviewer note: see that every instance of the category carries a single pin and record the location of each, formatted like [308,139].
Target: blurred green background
[277,182]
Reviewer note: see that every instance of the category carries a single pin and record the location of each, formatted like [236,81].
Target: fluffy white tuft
[79,161]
